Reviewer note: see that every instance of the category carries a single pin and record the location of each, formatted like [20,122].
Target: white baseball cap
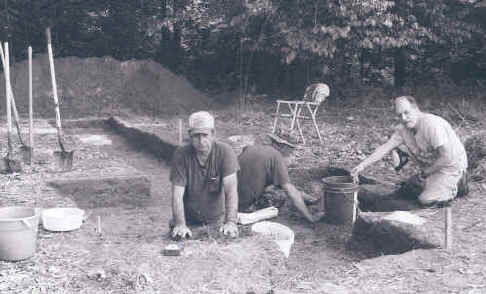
[201,122]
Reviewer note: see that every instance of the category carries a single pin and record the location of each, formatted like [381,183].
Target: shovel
[24,149]
[31,110]
[11,165]
[64,159]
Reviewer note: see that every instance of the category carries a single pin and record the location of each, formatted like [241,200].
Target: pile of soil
[100,86]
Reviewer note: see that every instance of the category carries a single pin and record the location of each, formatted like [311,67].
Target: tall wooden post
[31,111]
[7,95]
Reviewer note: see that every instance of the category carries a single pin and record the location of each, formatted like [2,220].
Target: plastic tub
[18,232]
[62,219]
[282,235]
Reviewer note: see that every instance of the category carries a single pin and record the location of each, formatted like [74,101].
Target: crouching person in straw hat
[432,143]
[204,181]
[263,179]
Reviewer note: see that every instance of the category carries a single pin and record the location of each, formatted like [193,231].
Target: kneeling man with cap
[204,181]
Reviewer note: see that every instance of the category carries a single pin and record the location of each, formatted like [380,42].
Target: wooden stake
[180,131]
[31,111]
[448,227]
[355,206]
[98,228]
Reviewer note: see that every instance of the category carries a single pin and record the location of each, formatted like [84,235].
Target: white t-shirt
[431,132]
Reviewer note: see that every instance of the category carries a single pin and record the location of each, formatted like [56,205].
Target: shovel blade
[64,160]
[4,168]
[8,165]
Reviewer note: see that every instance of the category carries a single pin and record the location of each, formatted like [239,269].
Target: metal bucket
[18,232]
[340,199]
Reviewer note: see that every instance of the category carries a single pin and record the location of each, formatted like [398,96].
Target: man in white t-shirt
[432,143]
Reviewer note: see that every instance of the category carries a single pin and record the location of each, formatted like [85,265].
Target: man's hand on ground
[229,229]
[181,232]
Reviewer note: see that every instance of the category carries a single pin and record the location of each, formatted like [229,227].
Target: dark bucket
[340,199]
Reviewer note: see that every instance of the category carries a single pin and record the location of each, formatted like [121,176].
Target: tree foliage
[257,43]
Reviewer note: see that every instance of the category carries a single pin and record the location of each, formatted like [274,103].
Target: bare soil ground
[126,257]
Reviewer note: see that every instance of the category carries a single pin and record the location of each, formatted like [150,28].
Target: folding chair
[299,111]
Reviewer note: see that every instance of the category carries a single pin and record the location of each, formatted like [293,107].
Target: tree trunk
[400,73]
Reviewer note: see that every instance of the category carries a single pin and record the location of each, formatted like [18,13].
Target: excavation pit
[384,225]
[125,188]
[105,188]
[107,182]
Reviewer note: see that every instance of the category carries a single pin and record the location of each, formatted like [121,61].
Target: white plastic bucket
[18,232]
[280,234]
[62,219]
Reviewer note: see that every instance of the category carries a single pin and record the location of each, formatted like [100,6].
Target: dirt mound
[102,86]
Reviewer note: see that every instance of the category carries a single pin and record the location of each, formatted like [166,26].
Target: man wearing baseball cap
[204,181]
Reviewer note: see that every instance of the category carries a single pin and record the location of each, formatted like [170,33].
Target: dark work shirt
[260,166]
[204,199]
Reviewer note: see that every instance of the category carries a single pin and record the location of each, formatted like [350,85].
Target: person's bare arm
[178,205]
[378,154]
[298,201]
[180,228]
[230,184]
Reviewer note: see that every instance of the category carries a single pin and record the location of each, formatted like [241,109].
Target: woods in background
[266,46]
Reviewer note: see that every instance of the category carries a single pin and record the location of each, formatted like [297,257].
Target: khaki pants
[438,187]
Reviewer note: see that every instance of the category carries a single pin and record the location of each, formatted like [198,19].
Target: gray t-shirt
[430,133]
[204,199]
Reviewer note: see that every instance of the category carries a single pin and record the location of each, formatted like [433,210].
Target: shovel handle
[54,89]
[12,99]
[7,96]
[31,107]
[48,34]
[15,114]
